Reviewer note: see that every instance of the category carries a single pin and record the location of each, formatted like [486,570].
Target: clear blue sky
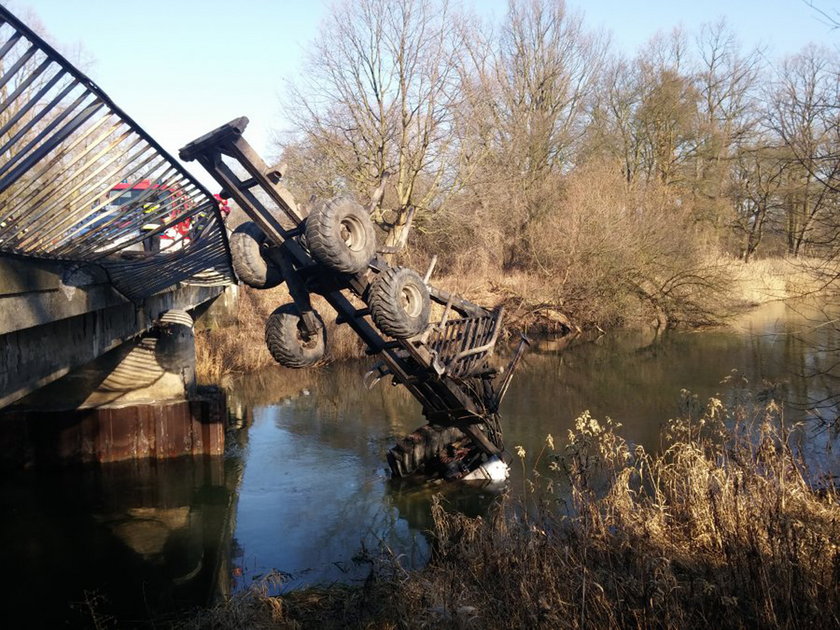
[183,67]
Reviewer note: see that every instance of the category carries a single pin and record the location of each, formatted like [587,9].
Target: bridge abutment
[137,401]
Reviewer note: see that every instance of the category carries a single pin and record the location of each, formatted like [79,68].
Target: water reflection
[636,378]
[122,543]
[413,500]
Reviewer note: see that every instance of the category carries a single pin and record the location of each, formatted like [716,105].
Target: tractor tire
[399,303]
[340,235]
[286,342]
[251,267]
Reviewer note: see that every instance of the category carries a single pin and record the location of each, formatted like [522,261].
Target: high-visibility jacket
[150,208]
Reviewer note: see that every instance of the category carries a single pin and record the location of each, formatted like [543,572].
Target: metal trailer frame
[445,367]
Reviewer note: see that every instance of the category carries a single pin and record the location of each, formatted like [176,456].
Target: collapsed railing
[331,251]
[80,181]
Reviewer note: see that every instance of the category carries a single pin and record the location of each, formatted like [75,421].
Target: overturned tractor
[332,251]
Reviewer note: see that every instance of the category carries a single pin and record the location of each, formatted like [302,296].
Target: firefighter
[201,218]
[151,243]
[224,207]
[177,236]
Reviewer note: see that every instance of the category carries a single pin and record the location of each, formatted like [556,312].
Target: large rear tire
[249,263]
[287,342]
[399,303]
[340,235]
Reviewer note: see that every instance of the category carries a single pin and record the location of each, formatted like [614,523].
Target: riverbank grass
[725,528]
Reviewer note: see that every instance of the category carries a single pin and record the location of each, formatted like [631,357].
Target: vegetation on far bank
[238,346]
[578,185]
[609,184]
[724,528]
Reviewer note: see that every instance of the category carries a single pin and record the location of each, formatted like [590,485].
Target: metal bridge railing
[81,181]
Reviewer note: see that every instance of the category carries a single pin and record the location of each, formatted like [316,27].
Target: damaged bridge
[104,236]
[101,231]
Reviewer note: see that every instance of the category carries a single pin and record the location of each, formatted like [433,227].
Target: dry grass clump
[721,530]
[238,347]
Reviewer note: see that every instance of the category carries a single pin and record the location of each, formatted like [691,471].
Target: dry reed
[722,529]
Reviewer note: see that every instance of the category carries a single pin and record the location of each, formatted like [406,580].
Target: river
[303,495]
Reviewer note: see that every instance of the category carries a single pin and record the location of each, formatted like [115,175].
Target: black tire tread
[248,262]
[283,343]
[321,240]
[387,312]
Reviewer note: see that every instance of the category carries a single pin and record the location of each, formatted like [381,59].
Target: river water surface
[304,495]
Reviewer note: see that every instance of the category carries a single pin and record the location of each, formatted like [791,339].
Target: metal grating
[463,344]
[80,180]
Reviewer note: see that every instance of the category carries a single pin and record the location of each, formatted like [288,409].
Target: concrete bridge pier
[160,366]
[137,401]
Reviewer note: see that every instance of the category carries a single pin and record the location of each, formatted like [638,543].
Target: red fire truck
[156,197]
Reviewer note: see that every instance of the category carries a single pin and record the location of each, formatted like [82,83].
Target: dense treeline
[536,147]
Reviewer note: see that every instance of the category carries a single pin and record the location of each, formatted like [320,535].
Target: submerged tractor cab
[332,251]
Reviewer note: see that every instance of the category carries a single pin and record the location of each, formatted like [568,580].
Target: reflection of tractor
[332,252]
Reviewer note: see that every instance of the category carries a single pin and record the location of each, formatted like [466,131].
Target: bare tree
[376,98]
[545,73]
[759,176]
[728,115]
[524,114]
[647,112]
[829,17]
[805,116]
